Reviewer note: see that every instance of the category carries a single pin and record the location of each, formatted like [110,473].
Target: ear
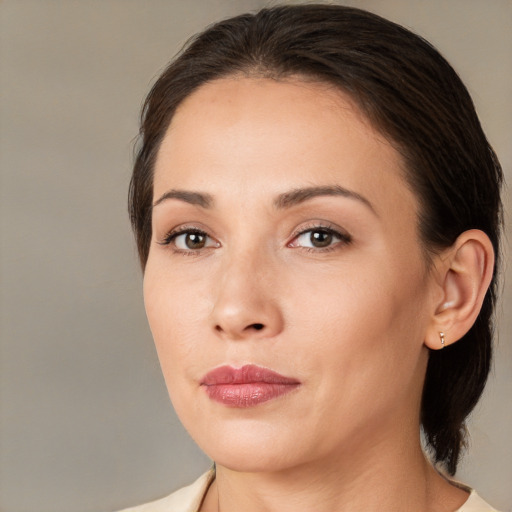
[464,272]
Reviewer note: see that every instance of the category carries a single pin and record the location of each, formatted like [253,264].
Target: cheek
[361,325]
[175,311]
[361,346]
[173,316]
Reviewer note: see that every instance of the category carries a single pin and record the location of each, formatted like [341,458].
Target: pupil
[195,241]
[321,238]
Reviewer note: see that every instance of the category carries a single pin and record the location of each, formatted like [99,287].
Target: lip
[247,386]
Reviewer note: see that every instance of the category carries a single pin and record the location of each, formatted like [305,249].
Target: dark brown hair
[415,99]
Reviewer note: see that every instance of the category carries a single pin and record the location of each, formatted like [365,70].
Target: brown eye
[190,240]
[320,238]
[195,240]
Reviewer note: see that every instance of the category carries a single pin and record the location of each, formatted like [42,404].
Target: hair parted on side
[410,93]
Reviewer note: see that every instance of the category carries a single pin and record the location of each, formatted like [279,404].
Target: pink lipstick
[247,386]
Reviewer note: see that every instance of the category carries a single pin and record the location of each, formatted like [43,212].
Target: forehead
[274,135]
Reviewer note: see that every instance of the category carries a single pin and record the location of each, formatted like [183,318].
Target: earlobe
[465,272]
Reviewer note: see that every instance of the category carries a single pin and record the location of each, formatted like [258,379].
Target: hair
[412,96]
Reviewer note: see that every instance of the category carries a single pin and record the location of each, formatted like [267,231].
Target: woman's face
[285,242]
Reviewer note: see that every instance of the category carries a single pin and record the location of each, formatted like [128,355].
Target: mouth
[247,386]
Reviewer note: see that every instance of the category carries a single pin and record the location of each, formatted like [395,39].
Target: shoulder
[186,499]
[475,504]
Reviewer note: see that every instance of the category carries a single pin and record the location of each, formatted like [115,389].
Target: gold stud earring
[441,335]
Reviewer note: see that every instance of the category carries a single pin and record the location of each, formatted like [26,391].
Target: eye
[319,238]
[188,240]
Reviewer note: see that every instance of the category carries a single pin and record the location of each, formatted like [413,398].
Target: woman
[317,215]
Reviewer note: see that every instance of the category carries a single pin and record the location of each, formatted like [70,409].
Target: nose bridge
[246,303]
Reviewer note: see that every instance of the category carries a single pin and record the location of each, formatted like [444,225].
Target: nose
[247,302]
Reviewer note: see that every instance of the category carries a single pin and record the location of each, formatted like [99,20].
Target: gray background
[86,424]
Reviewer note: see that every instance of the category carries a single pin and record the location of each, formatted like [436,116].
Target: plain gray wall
[85,421]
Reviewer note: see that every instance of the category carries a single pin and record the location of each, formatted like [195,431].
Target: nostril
[256,327]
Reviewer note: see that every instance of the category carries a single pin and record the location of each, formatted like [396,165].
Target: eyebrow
[283,201]
[194,198]
[300,195]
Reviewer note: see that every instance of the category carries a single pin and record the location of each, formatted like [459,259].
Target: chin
[250,448]
[260,460]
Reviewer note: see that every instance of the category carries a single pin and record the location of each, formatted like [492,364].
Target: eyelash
[184,230]
[344,239]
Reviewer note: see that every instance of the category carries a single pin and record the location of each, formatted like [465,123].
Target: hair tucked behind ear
[414,97]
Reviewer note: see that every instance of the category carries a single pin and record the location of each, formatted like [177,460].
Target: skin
[348,320]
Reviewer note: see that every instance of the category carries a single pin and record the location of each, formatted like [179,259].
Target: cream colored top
[189,499]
